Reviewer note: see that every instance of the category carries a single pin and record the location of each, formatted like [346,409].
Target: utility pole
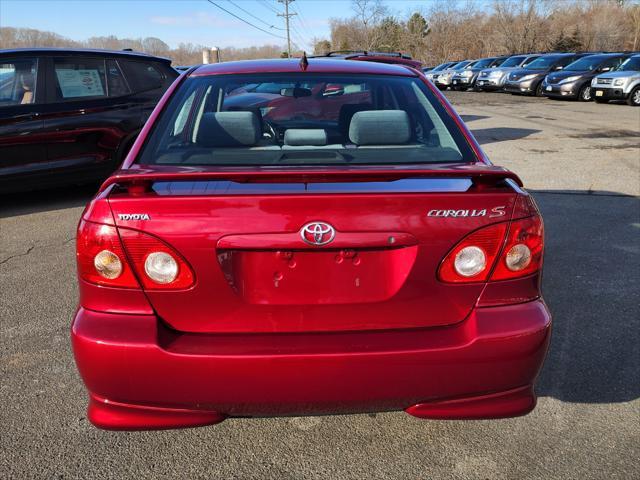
[286,16]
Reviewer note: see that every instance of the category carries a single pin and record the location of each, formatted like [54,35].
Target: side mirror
[558,67]
[604,69]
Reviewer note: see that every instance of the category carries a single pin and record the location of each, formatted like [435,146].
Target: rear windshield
[304,119]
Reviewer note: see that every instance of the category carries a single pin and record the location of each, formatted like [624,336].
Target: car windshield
[630,64]
[314,119]
[461,65]
[484,63]
[585,64]
[442,66]
[512,62]
[543,63]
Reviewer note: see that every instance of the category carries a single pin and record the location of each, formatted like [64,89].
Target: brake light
[472,258]
[476,255]
[101,258]
[158,265]
[104,260]
[523,249]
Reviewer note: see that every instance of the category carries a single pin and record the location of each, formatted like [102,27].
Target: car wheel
[634,97]
[539,91]
[585,94]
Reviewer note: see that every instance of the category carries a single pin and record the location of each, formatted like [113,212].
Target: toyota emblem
[317,233]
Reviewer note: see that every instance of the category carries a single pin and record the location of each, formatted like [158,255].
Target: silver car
[491,79]
[621,84]
[437,70]
[444,78]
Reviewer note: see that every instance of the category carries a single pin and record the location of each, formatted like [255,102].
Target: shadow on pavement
[501,134]
[473,118]
[25,203]
[591,284]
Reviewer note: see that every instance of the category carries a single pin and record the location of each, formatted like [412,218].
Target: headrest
[228,129]
[299,137]
[380,127]
[346,114]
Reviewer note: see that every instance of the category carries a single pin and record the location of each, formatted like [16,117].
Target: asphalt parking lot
[583,163]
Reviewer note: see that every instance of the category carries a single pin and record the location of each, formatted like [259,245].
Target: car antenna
[304,63]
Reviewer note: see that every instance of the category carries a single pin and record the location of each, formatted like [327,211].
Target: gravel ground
[583,163]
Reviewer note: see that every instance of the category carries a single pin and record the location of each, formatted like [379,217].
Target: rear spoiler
[140,179]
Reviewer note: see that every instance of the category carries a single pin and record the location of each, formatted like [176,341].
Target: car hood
[557,76]
[620,74]
[521,72]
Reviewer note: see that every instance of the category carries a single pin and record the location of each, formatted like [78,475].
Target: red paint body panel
[275,326]
[136,361]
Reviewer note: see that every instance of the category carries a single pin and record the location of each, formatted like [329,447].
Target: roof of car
[291,65]
[79,51]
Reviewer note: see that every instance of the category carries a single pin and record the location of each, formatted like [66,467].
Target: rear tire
[634,97]
[585,94]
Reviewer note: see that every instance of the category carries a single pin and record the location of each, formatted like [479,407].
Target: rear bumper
[140,375]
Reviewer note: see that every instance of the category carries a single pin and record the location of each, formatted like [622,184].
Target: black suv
[70,116]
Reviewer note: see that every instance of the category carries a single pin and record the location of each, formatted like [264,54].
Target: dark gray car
[574,80]
[528,81]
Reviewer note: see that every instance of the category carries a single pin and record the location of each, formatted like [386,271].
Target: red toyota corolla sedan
[337,244]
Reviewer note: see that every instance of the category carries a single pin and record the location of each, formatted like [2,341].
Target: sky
[189,21]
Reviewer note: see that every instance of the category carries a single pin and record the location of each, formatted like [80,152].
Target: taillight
[158,265]
[522,254]
[472,258]
[101,258]
[475,256]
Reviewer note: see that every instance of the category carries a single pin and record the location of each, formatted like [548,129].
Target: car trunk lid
[242,233]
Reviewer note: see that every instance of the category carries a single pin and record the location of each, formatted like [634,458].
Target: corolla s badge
[494,212]
[317,233]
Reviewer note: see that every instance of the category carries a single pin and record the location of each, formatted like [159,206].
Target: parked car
[380,57]
[466,78]
[70,115]
[621,84]
[528,80]
[367,259]
[444,78]
[491,79]
[574,80]
[436,70]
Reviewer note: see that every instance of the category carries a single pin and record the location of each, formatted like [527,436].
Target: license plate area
[298,277]
[599,93]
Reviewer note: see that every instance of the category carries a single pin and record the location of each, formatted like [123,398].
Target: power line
[252,15]
[266,4]
[245,21]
